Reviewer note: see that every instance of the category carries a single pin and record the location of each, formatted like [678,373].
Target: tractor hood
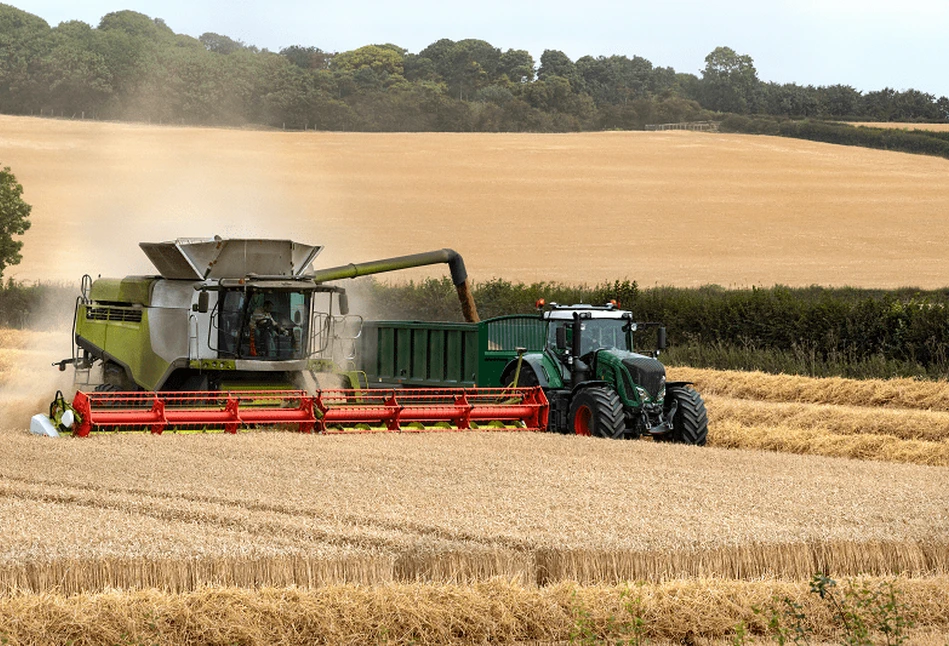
[649,373]
[204,258]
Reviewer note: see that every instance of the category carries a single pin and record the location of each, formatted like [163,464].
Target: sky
[866,44]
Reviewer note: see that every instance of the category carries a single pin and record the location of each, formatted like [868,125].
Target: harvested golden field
[181,512]
[454,538]
[896,420]
[667,208]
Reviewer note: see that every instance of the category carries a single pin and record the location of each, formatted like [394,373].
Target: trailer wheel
[597,411]
[690,425]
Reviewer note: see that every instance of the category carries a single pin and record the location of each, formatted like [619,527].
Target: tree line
[134,67]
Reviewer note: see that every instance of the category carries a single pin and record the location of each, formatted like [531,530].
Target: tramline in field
[238,334]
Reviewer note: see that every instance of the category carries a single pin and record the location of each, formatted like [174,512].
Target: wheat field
[465,538]
[661,208]
[288,509]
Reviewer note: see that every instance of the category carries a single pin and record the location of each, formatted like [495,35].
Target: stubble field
[271,537]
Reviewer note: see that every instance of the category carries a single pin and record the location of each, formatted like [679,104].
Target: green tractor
[598,385]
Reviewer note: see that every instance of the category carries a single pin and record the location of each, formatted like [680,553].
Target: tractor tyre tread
[606,408]
[690,425]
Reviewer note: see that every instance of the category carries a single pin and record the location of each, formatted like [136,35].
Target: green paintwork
[126,342]
[131,290]
[610,368]
[446,354]
[420,354]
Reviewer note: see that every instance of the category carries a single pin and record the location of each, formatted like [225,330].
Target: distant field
[938,127]
[667,208]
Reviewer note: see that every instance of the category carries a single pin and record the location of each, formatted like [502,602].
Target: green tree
[220,44]
[24,38]
[14,218]
[517,65]
[382,59]
[466,66]
[308,58]
[730,82]
[839,101]
[75,77]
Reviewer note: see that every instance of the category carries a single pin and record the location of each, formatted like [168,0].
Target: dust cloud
[28,381]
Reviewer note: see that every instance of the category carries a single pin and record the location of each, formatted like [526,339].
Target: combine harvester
[236,334]
[239,334]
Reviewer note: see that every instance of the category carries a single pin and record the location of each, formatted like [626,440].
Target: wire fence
[703,126]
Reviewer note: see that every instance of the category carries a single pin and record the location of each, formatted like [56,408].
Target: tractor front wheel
[597,411]
[690,424]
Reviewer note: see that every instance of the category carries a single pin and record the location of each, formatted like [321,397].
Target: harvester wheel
[690,425]
[597,411]
[107,388]
[527,378]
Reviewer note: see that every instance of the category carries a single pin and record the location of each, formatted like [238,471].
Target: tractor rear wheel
[597,411]
[690,424]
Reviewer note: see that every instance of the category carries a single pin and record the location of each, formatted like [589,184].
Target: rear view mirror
[343,303]
[661,339]
[562,337]
[202,304]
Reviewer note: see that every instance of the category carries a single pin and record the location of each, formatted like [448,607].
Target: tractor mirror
[202,305]
[661,340]
[343,303]
[562,337]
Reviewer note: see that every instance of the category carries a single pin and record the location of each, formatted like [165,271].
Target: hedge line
[922,142]
[812,330]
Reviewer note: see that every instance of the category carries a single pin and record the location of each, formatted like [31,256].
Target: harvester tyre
[527,378]
[107,388]
[690,424]
[597,411]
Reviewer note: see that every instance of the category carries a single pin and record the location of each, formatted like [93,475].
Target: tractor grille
[125,314]
[648,373]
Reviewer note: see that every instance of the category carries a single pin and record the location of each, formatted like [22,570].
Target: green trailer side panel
[394,353]
[414,353]
[437,359]
[499,339]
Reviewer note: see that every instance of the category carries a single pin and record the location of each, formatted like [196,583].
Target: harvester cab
[598,384]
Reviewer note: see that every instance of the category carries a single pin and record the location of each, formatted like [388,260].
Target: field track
[666,208]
